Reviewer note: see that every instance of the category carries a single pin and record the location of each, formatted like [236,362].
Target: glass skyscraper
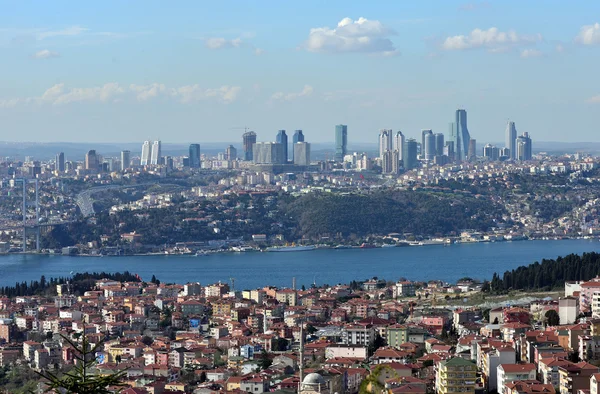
[298,137]
[409,155]
[249,139]
[341,142]
[459,134]
[194,155]
[511,138]
[283,140]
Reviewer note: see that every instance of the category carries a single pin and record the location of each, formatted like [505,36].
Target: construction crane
[245,128]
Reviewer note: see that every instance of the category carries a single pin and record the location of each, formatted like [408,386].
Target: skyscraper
[523,146]
[398,143]
[145,157]
[91,160]
[59,165]
[156,154]
[298,137]
[472,149]
[410,154]
[283,140]
[248,139]
[125,160]
[341,142]
[429,146]
[459,134]
[439,144]
[491,152]
[511,139]
[385,142]
[424,133]
[194,155]
[268,153]
[302,153]
[231,153]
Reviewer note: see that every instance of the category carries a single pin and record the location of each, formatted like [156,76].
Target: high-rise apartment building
[523,146]
[298,137]
[429,146]
[491,152]
[59,164]
[231,153]
[145,157]
[283,140]
[194,155]
[248,140]
[302,153]
[459,134]
[449,150]
[385,142]
[341,142]
[268,153]
[398,143]
[472,149]
[91,160]
[125,160]
[511,139]
[155,157]
[439,144]
[424,133]
[410,154]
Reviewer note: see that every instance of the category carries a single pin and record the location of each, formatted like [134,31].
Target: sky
[201,71]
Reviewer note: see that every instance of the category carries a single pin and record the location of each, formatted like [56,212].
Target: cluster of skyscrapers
[277,152]
[396,152]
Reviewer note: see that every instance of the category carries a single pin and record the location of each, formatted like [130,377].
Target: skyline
[199,72]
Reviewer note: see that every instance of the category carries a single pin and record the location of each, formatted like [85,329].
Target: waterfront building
[341,142]
[248,141]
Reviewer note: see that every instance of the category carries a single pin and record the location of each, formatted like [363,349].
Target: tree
[81,379]
[495,320]
[552,317]
[146,340]
[265,360]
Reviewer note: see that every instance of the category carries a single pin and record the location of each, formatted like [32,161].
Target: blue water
[252,270]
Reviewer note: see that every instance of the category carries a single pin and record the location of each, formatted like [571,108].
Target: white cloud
[491,39]
[59,94]
[525,53]
[589,34]
[594,99]
[69,31]
[307,90]
[259,51]
[474,6]
[45,54]
[362,35]
[221,43]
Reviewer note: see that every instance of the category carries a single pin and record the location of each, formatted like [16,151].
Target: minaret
[301,361]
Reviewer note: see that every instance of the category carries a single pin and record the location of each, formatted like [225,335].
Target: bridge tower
[27,203]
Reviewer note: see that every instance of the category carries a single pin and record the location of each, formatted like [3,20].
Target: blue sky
[196,71]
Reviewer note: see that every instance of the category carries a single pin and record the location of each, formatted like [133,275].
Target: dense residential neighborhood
[369,337]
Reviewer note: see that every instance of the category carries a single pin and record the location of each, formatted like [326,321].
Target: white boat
[240,249]
[299,248]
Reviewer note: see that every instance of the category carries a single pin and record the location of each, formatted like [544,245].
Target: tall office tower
[248,139]
[439,144]
[398,143]
[491,152]
[523,146]
[283,140]
[59,165]
[386,162]
[472,149]
[302,153]
[298,137]
[449,150]
[410,154]
[424,133]
[505,153]
[511,138]
[341,142]
[396,161]
[156,154]
[385,142]
[91,160]
[194,155]
[125,160]
[459,134]
[268,153]
[429,146]
[231,153]
[145,157]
